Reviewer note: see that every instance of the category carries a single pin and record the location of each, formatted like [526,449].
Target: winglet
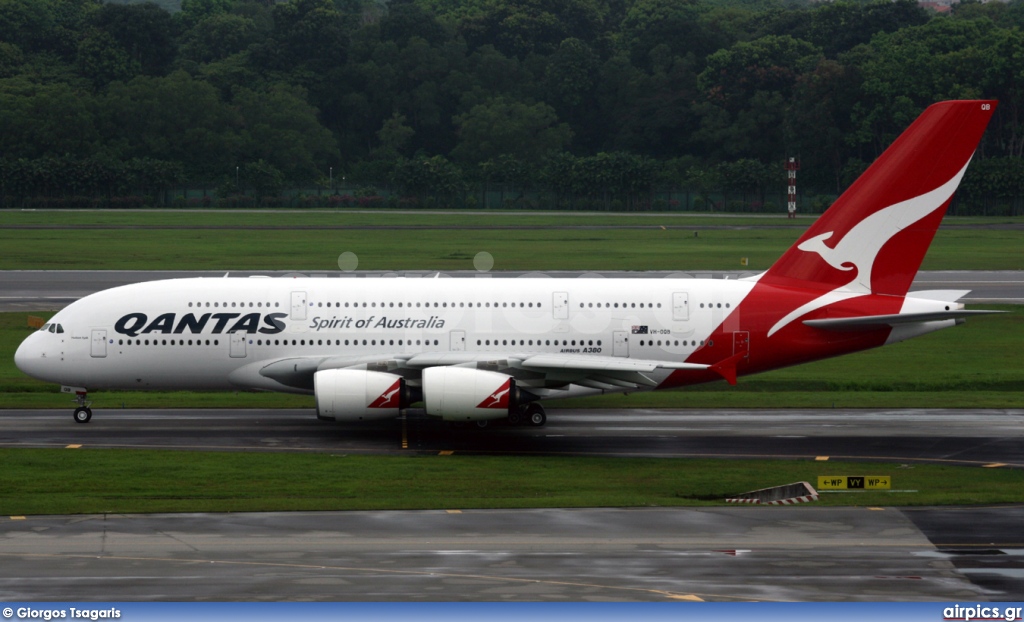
[726,368]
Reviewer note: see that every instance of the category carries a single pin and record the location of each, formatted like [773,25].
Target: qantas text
[134,324]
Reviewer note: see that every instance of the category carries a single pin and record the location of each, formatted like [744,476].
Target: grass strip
[83,481]
[429,249]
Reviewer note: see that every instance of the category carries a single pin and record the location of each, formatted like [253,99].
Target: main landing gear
[83,413]
[532,414]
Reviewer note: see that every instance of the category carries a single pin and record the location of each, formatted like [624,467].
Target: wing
[547,374]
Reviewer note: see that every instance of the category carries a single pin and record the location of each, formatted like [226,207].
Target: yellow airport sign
[854,482]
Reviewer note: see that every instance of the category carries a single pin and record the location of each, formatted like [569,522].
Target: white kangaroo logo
[859,248]
[387,397]
[495,399]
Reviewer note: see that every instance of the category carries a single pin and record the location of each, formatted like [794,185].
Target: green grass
[61,481]
[427,249]
[970,366]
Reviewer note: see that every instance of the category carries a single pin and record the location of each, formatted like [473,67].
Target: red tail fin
[874,237]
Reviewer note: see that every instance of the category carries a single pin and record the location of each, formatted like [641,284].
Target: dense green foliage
[573,103]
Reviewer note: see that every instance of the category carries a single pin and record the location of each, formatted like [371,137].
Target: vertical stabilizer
[874,237]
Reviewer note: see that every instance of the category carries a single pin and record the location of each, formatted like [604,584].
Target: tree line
[617,104]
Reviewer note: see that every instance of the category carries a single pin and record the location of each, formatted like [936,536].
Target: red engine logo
[498,399]
[389,398]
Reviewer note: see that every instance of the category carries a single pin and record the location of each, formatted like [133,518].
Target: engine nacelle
[358,395]
[464,394]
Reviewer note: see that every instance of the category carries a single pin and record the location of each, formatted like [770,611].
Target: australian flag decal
[639,330]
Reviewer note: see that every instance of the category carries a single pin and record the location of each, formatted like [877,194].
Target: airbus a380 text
[486,349]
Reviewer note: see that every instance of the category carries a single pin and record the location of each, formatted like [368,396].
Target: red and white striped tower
[792,166]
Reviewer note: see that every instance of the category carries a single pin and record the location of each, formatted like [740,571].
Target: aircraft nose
[28,357]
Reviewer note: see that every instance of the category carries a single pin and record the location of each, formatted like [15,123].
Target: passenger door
[99,343]
[560,306]
[620,343]
[681,306]
[238,345]
[298,306]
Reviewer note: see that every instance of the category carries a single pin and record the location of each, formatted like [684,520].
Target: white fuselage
[216,334]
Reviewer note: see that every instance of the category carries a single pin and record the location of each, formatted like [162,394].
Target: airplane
[487,349]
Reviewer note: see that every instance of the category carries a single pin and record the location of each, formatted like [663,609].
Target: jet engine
[358,395]
[464,394]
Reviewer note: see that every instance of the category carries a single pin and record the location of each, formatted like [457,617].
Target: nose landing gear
[83,413]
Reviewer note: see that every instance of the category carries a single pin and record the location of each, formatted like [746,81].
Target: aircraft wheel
[482,424]
[535,415]
[515,418]
[83,415]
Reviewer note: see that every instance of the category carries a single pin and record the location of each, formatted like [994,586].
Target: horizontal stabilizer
[942,295]
[867,322]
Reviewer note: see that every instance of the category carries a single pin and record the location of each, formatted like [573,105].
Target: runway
[648,554]
[40,290]
[959,437]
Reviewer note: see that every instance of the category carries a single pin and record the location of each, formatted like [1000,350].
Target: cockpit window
[44,328]
[53,328]
[60,329]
